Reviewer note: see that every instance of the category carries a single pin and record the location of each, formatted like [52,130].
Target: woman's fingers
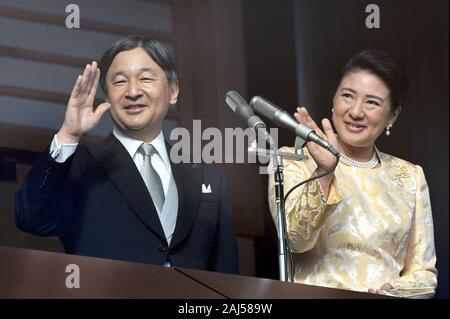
[327,128]
[298,117]
[329,133]
[386,286]
[304,116]
[307,119]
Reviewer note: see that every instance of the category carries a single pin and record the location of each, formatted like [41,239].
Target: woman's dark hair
[154,49]
[385,67]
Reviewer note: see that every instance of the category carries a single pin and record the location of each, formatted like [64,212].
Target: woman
[368,225]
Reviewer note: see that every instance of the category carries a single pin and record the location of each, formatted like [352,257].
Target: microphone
[245,112]
[283,119]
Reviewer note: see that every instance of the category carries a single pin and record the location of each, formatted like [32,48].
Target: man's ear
[174,90]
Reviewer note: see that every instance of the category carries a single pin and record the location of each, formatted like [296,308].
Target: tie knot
[148,149]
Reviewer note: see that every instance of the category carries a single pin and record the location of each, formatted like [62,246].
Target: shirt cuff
[334,193]
[61,152]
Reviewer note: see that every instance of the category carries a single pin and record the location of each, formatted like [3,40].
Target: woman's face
[362,109]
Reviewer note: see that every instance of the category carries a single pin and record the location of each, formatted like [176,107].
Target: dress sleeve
[306,208]
[419,269]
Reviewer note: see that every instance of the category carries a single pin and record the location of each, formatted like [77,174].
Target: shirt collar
[132,145]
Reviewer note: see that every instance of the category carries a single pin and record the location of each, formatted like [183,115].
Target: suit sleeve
[225,257]
[37,202]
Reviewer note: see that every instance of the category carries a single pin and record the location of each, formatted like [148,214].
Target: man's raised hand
[80,115]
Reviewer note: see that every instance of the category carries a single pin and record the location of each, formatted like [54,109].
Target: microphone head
[264,107]
[234,100]
[279,116]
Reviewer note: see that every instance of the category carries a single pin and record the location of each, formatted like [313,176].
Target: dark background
[288,51]
[305,46]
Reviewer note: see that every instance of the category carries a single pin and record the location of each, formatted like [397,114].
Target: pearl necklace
[370,164]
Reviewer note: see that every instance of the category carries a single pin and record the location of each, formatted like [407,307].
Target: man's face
[139,93]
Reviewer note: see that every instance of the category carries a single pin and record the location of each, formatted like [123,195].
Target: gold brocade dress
[375,226]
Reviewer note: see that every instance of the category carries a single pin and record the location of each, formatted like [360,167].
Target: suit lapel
[188,178]
[115,161]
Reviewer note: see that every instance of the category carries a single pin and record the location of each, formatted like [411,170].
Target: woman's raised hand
[323,158]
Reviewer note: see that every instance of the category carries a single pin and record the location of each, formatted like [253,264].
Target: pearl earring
[388,127]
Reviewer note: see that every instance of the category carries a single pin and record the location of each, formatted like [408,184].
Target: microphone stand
[277,157]
[281,216]
[283,239]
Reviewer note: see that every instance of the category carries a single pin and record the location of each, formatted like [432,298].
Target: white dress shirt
[160,162]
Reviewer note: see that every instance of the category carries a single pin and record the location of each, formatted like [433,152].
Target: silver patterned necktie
[151,177]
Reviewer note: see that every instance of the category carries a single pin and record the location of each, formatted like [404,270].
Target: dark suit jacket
[98,205]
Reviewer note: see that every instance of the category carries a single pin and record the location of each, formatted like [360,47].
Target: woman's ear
[396,114]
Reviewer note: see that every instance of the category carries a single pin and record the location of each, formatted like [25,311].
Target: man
[123,198]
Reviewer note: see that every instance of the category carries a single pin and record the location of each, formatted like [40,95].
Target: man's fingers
[372,291]
[76,88]
[101,109]
[85,79]
[94,66]
[88,84]
[93,89]
[92,76]
[94,86]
